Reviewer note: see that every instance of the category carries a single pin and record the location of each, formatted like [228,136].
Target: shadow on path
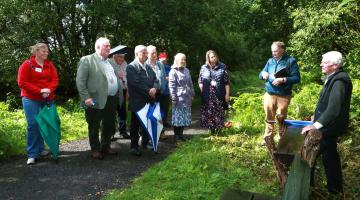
[77,175]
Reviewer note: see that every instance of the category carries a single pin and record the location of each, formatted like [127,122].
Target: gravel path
[77,175]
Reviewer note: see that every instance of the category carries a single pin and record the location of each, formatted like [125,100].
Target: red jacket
[32,80]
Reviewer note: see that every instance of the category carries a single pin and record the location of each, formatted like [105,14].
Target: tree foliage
[241,31]
[323,26]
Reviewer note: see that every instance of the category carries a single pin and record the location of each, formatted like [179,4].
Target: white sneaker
[44,152]
[30,161]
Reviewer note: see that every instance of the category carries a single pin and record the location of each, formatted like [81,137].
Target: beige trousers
[274,104]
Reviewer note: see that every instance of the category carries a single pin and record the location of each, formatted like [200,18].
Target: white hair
[139,48]
[99,42]
[151,48]
[178,56]
[334,57]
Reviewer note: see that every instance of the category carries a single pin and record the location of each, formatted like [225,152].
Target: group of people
[105,84]
[331,116]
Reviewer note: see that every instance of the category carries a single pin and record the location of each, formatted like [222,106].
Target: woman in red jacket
[38,80]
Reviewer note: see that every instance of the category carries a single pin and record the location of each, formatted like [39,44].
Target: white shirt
[110,76]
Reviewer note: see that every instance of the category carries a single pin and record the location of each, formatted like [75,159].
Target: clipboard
[284,72]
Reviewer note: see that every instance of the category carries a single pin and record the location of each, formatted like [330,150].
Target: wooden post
[270,144]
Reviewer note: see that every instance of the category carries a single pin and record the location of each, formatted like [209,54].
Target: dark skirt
[212,112]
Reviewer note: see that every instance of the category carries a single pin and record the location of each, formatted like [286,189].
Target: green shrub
[13,128]
[355,112]
[245,81]
[12,132]
[303,103]
[248,113]
[72,105]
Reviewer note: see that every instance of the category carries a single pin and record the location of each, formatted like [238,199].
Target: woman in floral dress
[215,90]
[182,94]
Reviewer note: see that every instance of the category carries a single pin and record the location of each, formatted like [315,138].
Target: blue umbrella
[151,119]
[297,123]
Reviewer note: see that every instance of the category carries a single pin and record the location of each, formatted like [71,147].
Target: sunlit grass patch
[204,168]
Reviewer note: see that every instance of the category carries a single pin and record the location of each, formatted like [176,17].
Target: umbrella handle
[47,102]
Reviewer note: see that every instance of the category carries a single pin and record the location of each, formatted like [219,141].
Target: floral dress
[213,96]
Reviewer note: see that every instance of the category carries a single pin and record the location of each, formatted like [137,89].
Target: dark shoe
[182,138]
[97,155]
[163,136]
[167,125]
[125,135]
[176,138]
[109,151]
[135,152]
[145,143]
[147,146]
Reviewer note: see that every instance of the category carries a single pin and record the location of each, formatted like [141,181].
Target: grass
[203,168]
[206,166]
[13,127]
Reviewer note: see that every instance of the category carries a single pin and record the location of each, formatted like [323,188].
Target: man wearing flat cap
[118,59]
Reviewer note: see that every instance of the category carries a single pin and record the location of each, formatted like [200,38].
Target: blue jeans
[34,141]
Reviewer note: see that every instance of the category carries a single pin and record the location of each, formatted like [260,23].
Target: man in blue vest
[278,86]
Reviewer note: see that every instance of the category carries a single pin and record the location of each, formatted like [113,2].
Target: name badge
[38,69]
[213,83]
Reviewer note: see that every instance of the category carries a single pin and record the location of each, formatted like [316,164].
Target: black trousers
[105,116]
[178,130]
[164,101]
[136,130]
[332,165]
[121,111]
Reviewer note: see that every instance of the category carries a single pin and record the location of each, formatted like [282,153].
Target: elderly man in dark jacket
[332,117]
[142,88]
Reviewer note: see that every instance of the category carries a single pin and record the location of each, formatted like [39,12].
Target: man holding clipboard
[280,73]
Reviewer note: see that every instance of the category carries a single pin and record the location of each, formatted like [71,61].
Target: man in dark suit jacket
[100,92]
[142,88]
[332,117]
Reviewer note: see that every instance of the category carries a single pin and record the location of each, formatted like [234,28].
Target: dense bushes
[321,26]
